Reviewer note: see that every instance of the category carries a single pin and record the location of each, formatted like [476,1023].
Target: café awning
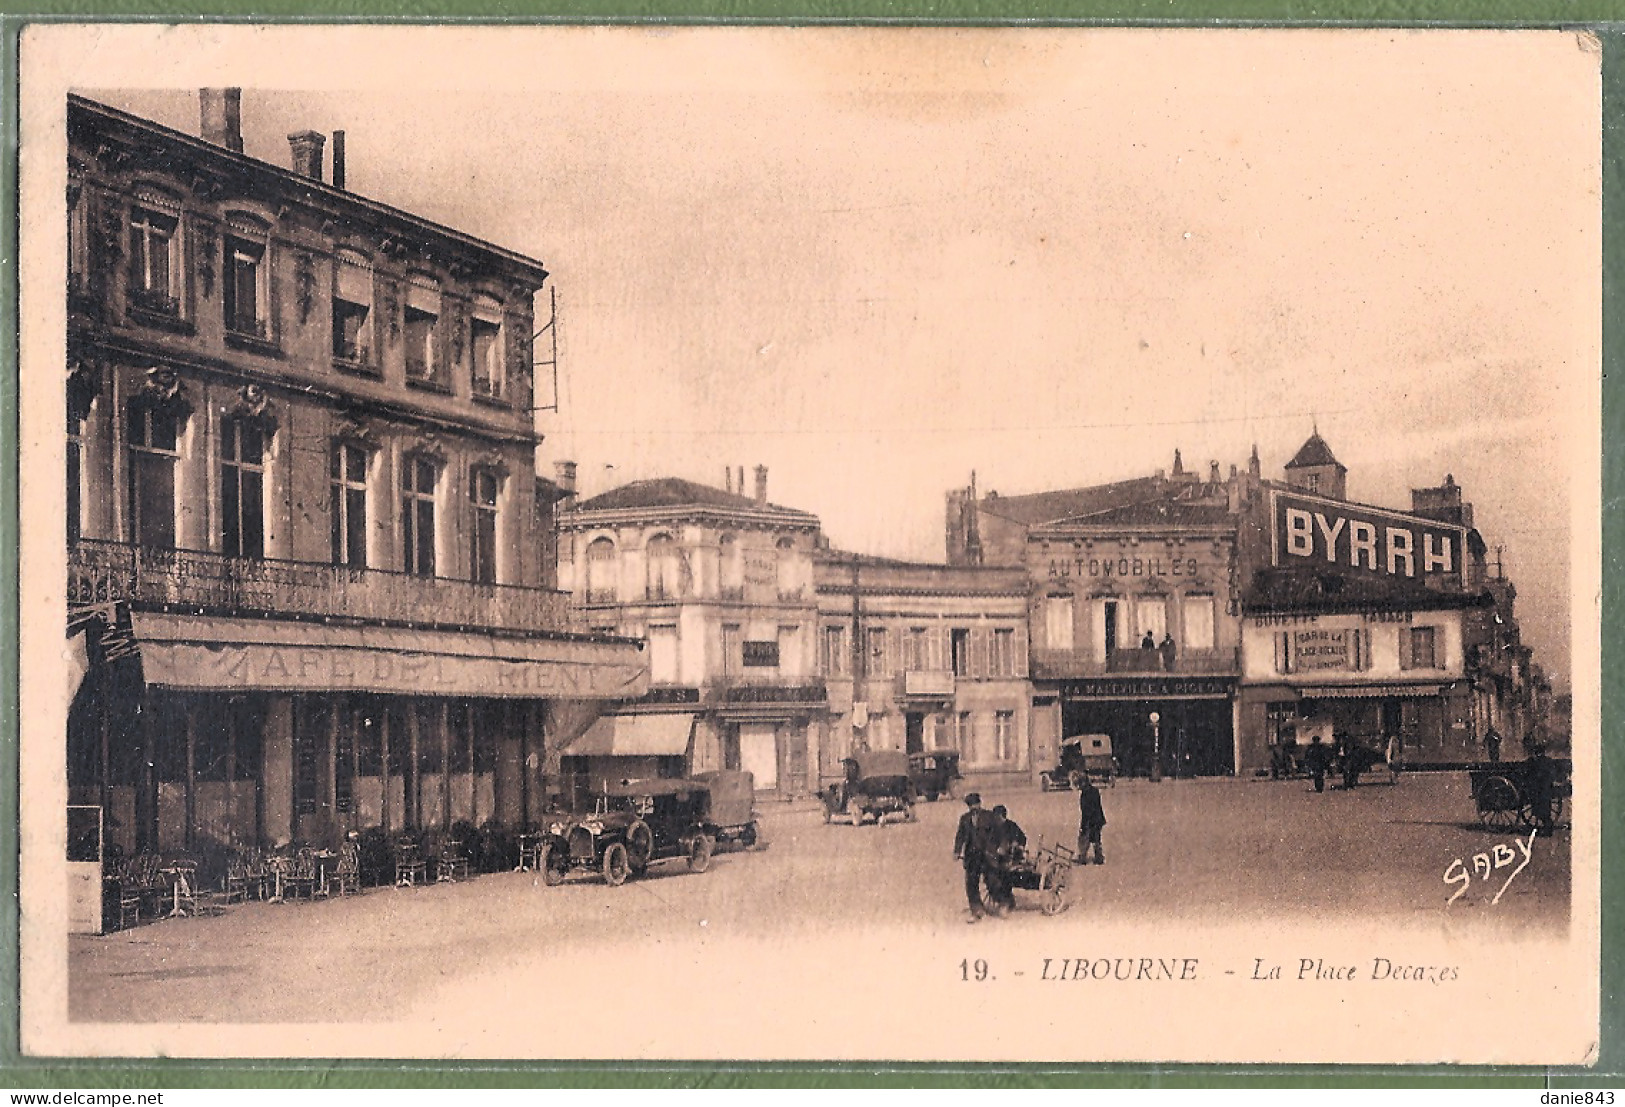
[635,736]
[201,653]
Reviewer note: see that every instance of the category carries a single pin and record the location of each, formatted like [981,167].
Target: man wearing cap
[970,848]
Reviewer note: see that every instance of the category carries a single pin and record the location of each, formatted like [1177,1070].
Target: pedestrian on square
[1091,820]
[1542,776]
[1492,744]
[1006,846]
[970,846]
[1317,757]
[1396,750]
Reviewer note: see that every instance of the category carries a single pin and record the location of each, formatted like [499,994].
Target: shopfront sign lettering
[1104,567]
[1309,530]
[1288,619]
[299,668]
[1145,688]
[1320,649]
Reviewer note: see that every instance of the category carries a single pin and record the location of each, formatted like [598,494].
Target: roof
[313,190]
[676,492]
[1154,513]
[1312,453]
[1047,507]
[1324,590]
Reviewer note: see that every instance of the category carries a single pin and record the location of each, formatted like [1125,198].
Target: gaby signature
[1487,864]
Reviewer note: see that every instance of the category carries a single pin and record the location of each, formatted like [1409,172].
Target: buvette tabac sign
[1309,530]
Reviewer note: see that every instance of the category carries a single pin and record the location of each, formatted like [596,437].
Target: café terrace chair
[450,865]
[410,867]
[344,878]
[301,877]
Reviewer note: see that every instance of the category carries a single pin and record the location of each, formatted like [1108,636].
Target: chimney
[1213,472]
[338,159]
[564,475]
[761,485]
[307,153]
[221,117]
[739,487]
[728,478]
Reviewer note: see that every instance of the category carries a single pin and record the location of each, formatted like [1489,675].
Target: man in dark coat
[1091,820]
[1006,843]
[970,848]
[1315,759]
[1542,789]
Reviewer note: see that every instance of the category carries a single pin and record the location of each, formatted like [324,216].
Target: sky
[877,260]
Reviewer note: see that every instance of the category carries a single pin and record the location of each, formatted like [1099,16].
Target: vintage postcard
[770,543]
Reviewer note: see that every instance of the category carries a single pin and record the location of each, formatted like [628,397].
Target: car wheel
[699,853]
[616,865]
[553,863]
[931,797]
[640,847]
[747,837]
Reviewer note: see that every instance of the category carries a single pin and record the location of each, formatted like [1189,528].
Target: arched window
[662,567]
[601,571]
[789,584]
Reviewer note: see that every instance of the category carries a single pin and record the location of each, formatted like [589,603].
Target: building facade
[720,586]
[918,657]
[303,514]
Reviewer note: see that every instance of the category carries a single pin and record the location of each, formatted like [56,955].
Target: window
[601,571]
[785,564]
[1004,652]
[1004,727]
[352,310]
[1058,622]
[733,567]
[347,472]
[242,488]
[245,291]
[422,320]
[964,734]
[1152,612]
[483,491]
[959,641]
[790,651]
[1419,646]
[1199,622]
[154,451]
[879,662]
[1312,482]
[78,235]
[661,568]
[417,516]
[154,269]
[732,650]
[485,340]
[835,658]
[663,654]
[915,650]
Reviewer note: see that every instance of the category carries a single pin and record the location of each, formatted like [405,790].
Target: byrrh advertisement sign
[1310,530]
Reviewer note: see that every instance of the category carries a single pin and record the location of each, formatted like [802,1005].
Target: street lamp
[1156,748]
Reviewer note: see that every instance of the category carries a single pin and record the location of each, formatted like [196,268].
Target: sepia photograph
[811,543]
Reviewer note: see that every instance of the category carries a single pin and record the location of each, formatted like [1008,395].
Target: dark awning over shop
[233,655]
[1368,691]
[635,736]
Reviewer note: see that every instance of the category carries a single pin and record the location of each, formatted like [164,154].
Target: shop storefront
[1184,722]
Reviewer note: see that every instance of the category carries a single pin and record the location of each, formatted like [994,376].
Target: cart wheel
[699,853]
[640,847]
[1499,803]
[553,863]
[1055,890]
[616,865]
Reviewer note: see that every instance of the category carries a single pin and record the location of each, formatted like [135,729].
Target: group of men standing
[990,843]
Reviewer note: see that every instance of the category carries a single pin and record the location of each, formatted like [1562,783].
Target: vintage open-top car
[633,824]
[877,785]
[934,772]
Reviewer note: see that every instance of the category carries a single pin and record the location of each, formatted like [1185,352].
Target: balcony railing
[1057,664]
[928,682]
[103,572]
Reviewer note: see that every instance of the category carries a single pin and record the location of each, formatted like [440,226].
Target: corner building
[303,519]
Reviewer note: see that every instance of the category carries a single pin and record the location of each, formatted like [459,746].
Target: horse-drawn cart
[1506,794]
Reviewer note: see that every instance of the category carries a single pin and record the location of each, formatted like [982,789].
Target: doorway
[914,732]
